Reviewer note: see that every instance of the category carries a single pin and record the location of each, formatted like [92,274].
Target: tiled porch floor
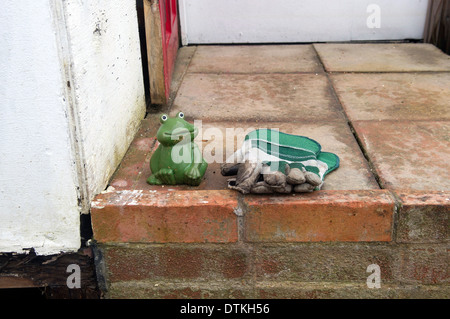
[394,98]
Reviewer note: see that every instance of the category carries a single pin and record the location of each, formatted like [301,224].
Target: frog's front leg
[163,176]
[195,171]
[154,166]
[192,175]
[153,180]
[166,176]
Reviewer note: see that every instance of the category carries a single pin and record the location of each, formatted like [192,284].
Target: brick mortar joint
[249,246]
[398,204]
[240,211]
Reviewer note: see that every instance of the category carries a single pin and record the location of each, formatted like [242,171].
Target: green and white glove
[270,161]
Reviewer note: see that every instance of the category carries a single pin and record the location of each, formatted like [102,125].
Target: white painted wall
[38,198]
[59,145]
[284,21]
[106,83]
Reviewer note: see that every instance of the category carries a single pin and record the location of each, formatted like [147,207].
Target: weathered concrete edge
[238,201]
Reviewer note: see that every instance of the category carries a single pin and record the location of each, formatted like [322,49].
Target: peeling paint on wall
[107,70]
[72,98]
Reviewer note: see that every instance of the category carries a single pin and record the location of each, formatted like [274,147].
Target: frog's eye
[181,115]
[163,118]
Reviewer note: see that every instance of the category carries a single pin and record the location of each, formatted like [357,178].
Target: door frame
[162,40]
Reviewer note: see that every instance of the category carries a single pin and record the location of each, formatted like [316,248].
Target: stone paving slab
[264,97]
[382,57]
[402,96]
[408,155]
[335,137]
[255,59]
[137,156]
[184,58]
[219,140]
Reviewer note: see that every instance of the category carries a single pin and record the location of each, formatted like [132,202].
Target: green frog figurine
[177,160]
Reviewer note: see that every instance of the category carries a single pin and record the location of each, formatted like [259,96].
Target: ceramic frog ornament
[177,160]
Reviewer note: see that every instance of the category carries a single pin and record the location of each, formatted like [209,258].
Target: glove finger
[228,169]
[313,179]
[275,179]
[295,177]
[303,188]
[261,188]
[283,190]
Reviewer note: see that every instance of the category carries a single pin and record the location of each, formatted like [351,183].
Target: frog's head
[175,129]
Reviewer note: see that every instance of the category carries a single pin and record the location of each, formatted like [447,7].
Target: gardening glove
[270,161]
